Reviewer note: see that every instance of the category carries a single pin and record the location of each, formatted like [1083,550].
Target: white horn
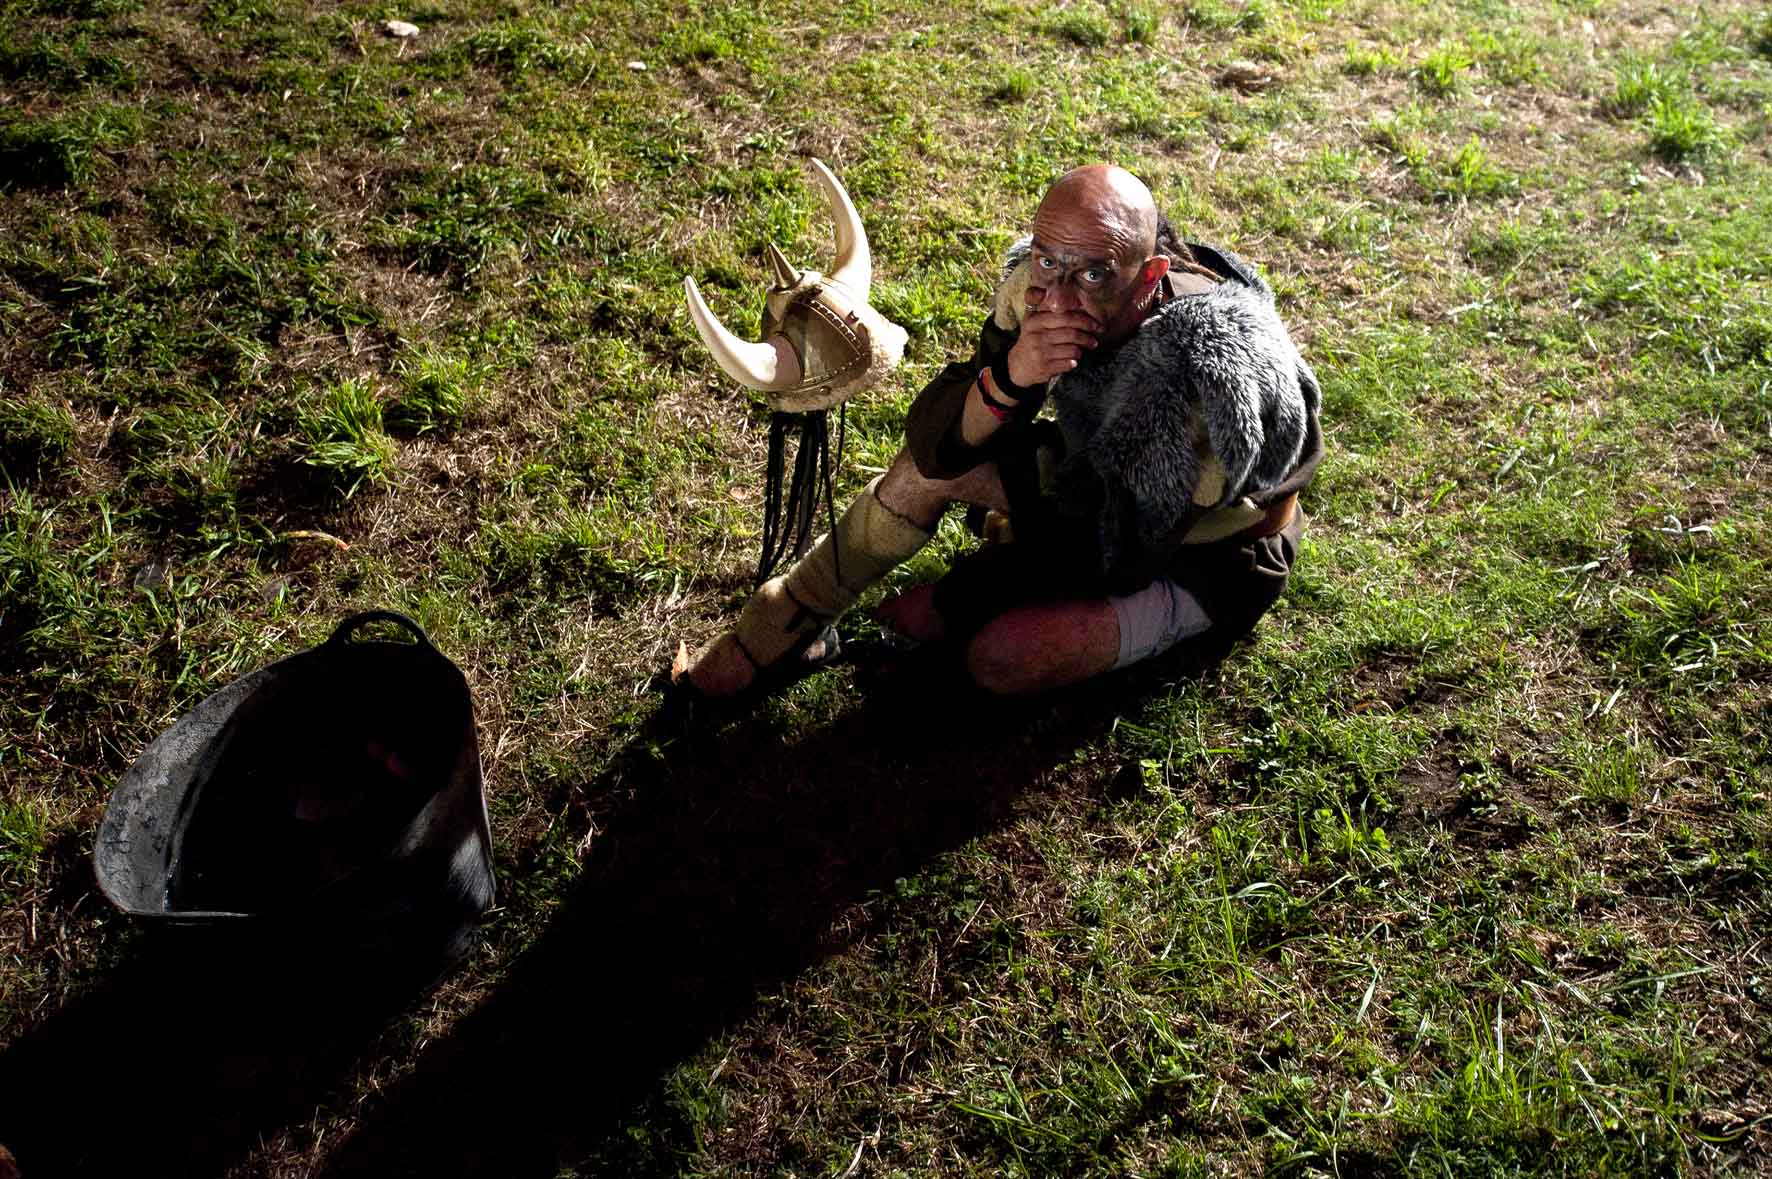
[753,365]
[855,265]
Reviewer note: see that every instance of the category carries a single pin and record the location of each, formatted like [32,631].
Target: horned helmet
[842,343]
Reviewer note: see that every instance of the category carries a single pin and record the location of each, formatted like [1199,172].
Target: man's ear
[1155,267]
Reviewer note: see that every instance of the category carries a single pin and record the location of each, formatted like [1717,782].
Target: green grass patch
[1441,72]
[1365,61]
[1638,84]
[1470,172]
[345,442]
[1225,15]
[471,216]
[51,578]
[1140,21]
[67,64]
[1454,868]
[1681,128]
[1016,85]
[23,838]
[61,150]
[34,437]
[1511,57]
[1699,620]
[437,391]
[1083,25]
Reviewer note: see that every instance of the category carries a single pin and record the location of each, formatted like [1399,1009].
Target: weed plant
[343,431]
[1442,70]
[1680,129]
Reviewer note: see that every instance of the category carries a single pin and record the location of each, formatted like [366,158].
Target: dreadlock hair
[1180,257]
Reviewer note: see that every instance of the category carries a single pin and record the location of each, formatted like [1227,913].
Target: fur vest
[1175,435]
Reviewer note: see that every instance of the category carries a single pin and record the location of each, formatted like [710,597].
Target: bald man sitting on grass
[1155,510]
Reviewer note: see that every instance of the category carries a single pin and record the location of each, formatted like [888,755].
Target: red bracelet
[1002,410]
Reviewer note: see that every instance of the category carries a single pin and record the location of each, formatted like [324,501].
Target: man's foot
[912,615]
[725,670]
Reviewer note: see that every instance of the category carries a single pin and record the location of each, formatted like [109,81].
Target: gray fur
[1217,364]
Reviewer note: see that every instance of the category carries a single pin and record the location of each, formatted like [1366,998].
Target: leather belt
[1274,521]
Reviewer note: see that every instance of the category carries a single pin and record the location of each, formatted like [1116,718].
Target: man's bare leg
[1044,646]
[912,613]
[1030,648]
[1027,649]
[915,496]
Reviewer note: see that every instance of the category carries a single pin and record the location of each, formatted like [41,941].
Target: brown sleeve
[932,429]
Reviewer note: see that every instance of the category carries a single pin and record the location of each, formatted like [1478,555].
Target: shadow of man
[721,860]
[183,1059]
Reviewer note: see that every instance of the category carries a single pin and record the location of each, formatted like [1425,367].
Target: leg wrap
[870,540]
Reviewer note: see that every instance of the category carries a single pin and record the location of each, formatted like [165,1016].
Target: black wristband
[1000,377]
[1004,410]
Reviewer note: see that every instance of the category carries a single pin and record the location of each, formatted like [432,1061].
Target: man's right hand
[1051,343]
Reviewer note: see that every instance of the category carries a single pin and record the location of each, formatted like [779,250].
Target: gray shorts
[1155,619]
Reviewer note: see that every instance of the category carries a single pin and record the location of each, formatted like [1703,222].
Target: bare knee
[922,500]
[1005,657]
[1037,648]
[912,494]
[996,665]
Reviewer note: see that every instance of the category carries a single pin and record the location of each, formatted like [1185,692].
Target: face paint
[1070,280]
[1088,275]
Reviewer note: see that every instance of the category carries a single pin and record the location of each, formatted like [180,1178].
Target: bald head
[1095,247]
[1111,196]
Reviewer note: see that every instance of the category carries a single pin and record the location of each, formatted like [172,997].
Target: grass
[23,828]
[1442,69]
[1681,129]
[1639,84]
[437,392]
[1457,870]
[1363,61]
[34,435]
[69,149]
[344,435]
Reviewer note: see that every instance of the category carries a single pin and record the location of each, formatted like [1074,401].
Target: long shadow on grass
[191,1053]
[718,877]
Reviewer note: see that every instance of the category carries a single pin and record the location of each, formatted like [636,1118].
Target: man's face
[1088,259]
